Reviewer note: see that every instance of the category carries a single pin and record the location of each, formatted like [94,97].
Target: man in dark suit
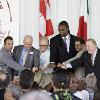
[27,55]
[90,59]
[62,46]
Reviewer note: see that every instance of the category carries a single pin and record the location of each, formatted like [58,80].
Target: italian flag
[84,12]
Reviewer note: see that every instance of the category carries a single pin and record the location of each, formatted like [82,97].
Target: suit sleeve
[53,51]
[77,62]
[11,63]
[78,55]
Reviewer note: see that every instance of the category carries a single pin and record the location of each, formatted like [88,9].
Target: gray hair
[28,37]
[36,95]
[92,40]
[15,90]
[44,38]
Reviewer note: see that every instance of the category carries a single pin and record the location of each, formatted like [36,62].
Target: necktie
[65,42]
[24,57]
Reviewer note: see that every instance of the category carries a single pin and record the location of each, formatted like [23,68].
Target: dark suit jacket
[2,91]
[58,51]
[85,60]
[32,59]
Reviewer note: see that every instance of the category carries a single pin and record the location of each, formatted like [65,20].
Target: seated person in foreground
[61,82]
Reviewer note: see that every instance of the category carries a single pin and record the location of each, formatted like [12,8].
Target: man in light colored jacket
[8,64]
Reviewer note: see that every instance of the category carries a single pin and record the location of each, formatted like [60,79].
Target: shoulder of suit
[58,35]
[73,36]
[55,38]
[2,50]
[35,50]
[98,49]
[18,46]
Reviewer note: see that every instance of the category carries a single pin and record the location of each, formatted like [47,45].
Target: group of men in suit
[61,51]
[23,56]
[90,59]
[62,48]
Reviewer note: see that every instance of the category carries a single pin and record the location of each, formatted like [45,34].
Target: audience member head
[91,46]
[63,28]
[79,44]
[36,95]
[8,43]
[91,81]
[26,79]
[12,92]
[73,83]
[4,79]
[16,80]
[43,43]
[28,40]
[61,79]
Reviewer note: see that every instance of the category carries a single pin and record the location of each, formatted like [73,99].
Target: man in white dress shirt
[90,59]
[45,70]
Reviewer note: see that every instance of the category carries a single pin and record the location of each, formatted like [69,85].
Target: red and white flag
[84,11]
[45,23]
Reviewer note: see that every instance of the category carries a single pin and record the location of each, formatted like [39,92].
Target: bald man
[26,54]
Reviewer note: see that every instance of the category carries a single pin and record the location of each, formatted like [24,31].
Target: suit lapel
[19,52]
[61,42]
[28,55]
[70,44]
[97,56]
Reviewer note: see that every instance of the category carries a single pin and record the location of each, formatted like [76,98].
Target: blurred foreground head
[36,95]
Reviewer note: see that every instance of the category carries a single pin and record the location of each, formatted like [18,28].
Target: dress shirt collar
[94,54]
[67,37]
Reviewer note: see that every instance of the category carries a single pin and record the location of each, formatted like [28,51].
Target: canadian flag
[45,23]
[84,11]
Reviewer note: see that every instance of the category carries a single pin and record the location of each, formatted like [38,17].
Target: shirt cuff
[68,65]
[52,62]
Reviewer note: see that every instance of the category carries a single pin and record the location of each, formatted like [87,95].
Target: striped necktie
[64,39]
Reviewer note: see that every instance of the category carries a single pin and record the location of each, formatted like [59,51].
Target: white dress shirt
[83,95]
[93,56]
[44,61]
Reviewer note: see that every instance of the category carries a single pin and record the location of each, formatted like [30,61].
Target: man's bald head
[28,40]
[91,46]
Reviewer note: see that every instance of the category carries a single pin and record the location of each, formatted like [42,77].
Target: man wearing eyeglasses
[62,46]
[45,70]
